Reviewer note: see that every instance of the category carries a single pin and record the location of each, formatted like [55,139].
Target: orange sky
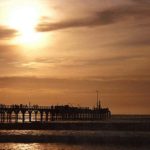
[61,52]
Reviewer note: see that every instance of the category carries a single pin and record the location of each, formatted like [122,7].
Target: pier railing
[24,113]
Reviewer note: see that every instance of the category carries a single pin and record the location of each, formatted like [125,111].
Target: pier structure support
[35,114]
[2,116]
[16,115]
[9,112]
[41,114]
[52,114]
[45,114]
[30,115]
[23,115]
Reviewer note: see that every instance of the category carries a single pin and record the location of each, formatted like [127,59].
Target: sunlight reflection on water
[39,146]
[50,146]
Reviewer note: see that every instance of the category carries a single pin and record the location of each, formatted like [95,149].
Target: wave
[106,138]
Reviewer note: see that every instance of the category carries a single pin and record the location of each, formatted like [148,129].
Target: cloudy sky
[61,52]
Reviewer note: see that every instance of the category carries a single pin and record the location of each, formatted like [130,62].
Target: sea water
[77,140]
[51,144]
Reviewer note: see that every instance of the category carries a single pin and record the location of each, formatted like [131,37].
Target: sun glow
[24,19]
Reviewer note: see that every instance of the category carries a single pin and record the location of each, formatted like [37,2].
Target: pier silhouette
[36,113]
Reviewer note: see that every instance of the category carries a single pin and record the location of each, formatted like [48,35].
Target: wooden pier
[24,113]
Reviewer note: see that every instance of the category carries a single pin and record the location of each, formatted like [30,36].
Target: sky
[55,52]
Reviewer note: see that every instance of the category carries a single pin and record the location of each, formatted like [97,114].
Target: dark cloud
[139,39]
[6,33]
[106,17]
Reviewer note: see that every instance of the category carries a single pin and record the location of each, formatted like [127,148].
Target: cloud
[133,39]
[10,59]
[142,1]
[99,18]
[87,62]
[33,82]
[7,33]
[70,62]
[49,60]
[9,53]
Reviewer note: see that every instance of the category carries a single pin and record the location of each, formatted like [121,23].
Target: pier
[35,113]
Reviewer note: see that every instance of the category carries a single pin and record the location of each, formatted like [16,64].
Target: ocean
[54,146]
[78,139]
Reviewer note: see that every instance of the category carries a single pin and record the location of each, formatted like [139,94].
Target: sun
[24,19]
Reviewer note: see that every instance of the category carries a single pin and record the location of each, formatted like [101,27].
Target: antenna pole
[97,98]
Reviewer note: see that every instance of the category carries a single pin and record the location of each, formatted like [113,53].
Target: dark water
[81,140]
[77,140]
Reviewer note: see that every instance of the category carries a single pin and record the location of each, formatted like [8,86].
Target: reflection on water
[77,140]
[73,140]
[49,146]
[78,133]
